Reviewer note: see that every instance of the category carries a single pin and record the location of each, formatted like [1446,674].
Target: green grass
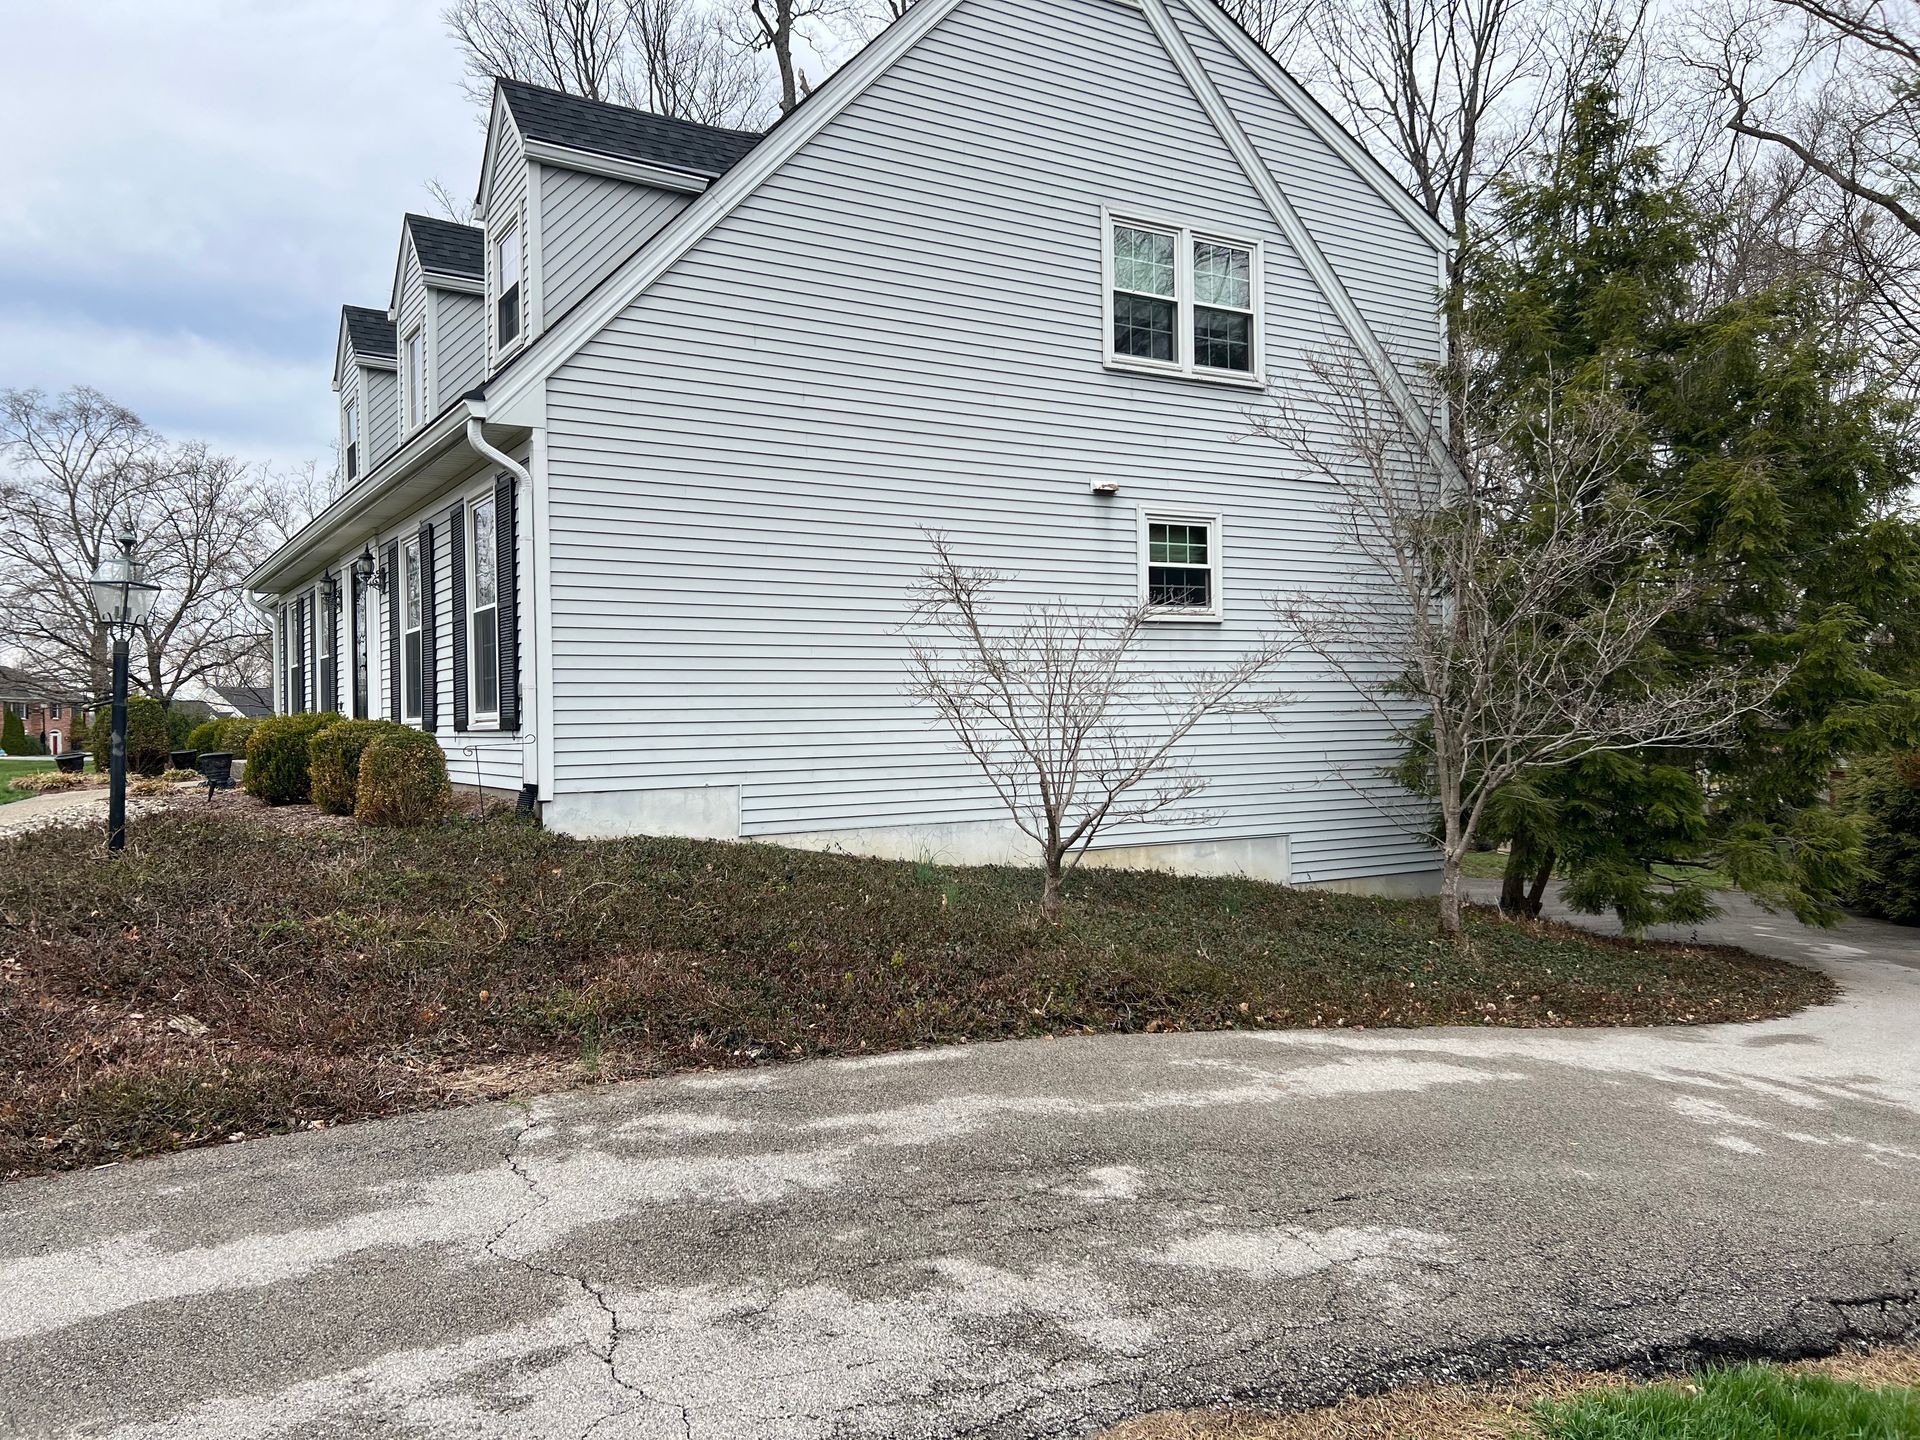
[233,974]
[1754,1402]
[1492,865]
[12,769]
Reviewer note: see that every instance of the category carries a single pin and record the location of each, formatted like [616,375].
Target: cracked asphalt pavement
[1022,1239]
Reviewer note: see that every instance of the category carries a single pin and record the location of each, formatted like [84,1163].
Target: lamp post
[124,597]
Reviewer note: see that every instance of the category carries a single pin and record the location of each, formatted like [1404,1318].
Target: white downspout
[528,613]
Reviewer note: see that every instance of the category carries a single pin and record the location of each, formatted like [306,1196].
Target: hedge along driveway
[238,972]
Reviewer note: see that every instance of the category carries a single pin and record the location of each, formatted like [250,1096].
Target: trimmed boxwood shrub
[235,732]
[277,757]
[333,761]
[403,780]
[205,736]
[148,742]
[1883,793]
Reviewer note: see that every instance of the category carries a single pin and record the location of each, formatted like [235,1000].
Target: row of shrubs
[378,771]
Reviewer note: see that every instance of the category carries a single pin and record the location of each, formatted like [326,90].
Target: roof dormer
[570,188]
[438,285]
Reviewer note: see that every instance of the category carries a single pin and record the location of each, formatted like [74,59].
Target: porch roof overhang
[432,458]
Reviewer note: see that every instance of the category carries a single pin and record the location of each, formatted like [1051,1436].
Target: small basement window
[507,272]
[1181,302]
[1180,566]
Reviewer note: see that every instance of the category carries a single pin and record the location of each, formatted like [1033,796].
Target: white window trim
[1185,237]
[413,388]
[515,225]
[410,549]
[1216,547]
[350,437]
[476,711]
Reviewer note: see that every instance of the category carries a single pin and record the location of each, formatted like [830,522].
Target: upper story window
[410,688]
[1180,565]
[483,673]
[415,382]
[1181,302]
[350,426]
[506,255]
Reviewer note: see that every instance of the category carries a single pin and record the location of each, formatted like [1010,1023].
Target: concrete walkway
[1010,1240]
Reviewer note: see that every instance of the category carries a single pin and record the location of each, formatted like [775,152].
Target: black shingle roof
[254,702]
[626,134]
[445,248]
[369,332]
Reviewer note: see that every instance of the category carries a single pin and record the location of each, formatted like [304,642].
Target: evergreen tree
[1776,464]
[13,734]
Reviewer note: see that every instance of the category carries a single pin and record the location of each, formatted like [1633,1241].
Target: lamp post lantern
[123,597]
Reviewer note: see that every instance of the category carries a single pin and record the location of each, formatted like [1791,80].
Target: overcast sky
[193,188]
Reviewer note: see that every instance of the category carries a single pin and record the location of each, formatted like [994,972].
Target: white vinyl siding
[380,419]
[460,345]
[588,225]
[819,385]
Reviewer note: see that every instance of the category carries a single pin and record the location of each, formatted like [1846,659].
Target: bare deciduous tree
[673,57]
[1833,85]
[775,27]
[1501,618]
[1061,713]
[80,467]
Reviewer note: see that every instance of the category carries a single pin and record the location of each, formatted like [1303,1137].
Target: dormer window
[506,253]
[351,430]
[416,380]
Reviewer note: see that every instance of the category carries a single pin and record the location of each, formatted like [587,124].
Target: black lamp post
[124,597]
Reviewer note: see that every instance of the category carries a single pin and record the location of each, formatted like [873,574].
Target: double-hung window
[483,619]
[410,636]
[1182,302]
[1180,565]
[416,380]
[351,434]
[506,257]
[323,624]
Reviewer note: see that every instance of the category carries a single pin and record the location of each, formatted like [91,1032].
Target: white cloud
[194,187]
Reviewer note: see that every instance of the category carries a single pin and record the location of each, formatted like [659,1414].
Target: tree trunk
[1537,896]
[1513,883]
[1450,891]
[1050,896]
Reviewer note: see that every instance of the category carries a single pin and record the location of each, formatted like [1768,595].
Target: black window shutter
[300,654]
[396,582]
[507,569]
[353,635]
[330,676]
[429,633]
[457,558]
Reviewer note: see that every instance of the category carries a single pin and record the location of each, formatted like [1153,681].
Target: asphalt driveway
[1025,1239]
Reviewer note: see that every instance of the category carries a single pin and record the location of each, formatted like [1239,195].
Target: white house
[642,467]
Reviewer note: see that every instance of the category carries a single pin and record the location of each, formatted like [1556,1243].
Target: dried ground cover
[239,971]
[1871,1395]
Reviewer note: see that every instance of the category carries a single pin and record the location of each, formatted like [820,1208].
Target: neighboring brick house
[45,708]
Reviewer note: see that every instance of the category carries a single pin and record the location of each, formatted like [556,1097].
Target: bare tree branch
[1066,720]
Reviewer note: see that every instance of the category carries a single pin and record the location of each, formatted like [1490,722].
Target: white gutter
[477,438]
[528,616]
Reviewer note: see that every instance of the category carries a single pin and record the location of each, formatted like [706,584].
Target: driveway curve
[1024,1239]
